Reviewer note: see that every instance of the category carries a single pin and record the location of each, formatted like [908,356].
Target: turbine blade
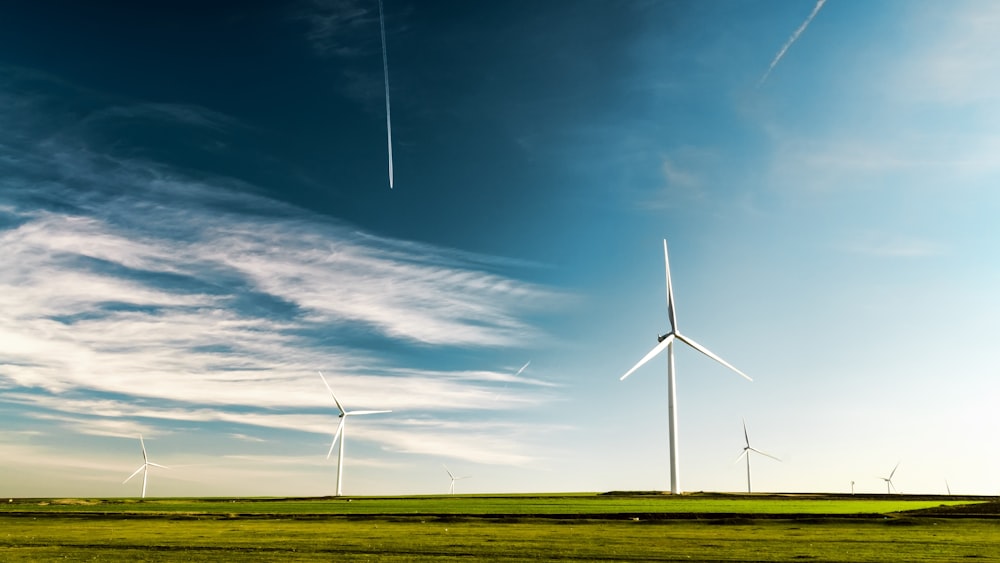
[448,471]
[894,470]
[652,353]
[741,455]
[141,467]
[157,465]
[708,353]
[143,446]
[352,413]
[745,435]
[671,313]
[330,389]
[765,454]
[524,367]
[340,429]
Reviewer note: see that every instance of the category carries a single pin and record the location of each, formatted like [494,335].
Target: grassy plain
[563,504]
[510,528]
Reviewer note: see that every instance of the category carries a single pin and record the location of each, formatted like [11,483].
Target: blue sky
[195,217]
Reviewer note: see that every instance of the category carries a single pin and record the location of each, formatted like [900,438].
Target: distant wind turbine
[888,480]
[746,453]
[451,489]
[146,464]
[666,342]
[947,487]
[340,433]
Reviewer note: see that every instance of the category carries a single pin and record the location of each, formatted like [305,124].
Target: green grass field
[523,527]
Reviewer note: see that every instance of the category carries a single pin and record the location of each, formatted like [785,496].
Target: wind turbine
[144,467]
[451,489]
[888,480]
[746,452]
[340,433]
[666,342]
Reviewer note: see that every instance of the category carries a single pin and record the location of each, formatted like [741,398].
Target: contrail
[385,70]
[519,372]
[792,39]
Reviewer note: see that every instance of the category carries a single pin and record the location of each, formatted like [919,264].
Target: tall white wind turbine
[666,342]
[146,464]
[340,433]
[451,489]
[888,480]
[746,453]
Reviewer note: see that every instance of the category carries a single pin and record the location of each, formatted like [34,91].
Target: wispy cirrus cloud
[182,114]
[75,265]
[479,441]
[105,426]
[188,297]
[687,175]
[893,246]
[333,24]
[953,64]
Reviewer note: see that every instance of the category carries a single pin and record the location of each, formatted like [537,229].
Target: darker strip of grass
[708,517]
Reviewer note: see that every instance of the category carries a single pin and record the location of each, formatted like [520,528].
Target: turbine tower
[340,433]
[888,480]
[144,467]
[451,489]
[666,342]
[746,452]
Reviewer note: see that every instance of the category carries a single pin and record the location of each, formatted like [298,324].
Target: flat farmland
[611,527]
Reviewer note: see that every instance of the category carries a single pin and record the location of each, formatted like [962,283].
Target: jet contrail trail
[792,39]
[519,372]
[385,70]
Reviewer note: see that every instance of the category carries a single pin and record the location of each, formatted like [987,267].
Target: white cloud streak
[791,40]
[126,279]
[85,307]
[332,22]
[893,246]
[953,64]
[480,441]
